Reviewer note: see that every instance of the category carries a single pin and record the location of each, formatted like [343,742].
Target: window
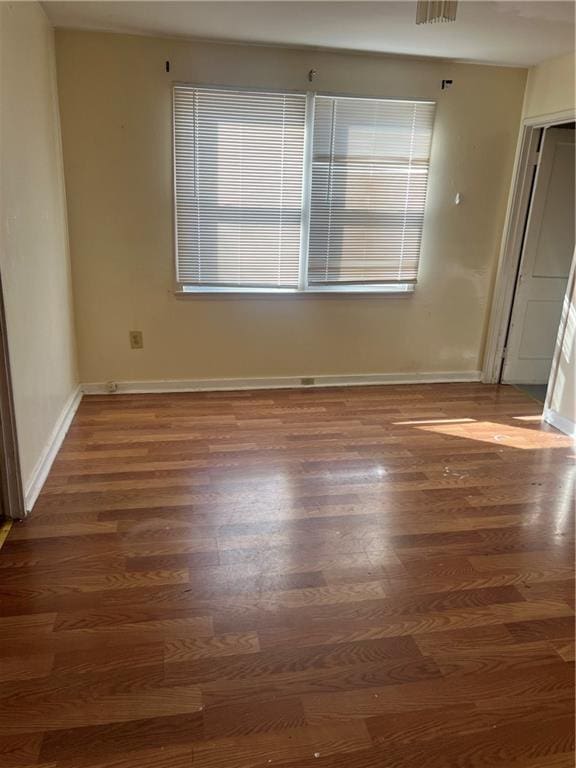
[293,192]
[239,171]
[369,174]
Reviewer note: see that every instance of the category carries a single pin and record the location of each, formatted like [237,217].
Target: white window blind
[287,192]
[238,186]
[369,176]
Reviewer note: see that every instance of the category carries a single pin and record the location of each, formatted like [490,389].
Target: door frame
[11,494]
[523,182]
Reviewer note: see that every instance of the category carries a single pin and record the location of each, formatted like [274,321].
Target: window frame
[191,290]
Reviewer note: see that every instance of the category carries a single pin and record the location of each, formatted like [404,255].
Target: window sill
[395,291]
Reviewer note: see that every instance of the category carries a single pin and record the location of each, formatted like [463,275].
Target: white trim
[517,211]
[44,463]
[510,254]
[550,119]
[559,422]
[279,382]
[346,289]
[306,191]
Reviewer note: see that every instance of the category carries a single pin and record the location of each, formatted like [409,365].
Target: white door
[546,259]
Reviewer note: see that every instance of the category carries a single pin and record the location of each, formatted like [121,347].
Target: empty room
[287,384]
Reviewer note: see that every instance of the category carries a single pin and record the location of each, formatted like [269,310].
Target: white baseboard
[40,471]
[560,422]
[279,382]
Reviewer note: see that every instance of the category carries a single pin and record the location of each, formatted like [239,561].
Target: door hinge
[504,353]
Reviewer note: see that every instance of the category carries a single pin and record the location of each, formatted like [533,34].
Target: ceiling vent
[430,11]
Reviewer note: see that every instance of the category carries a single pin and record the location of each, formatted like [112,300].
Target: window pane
[369,176]
[238,169]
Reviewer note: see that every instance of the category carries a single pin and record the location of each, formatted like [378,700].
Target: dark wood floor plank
[396,655]
[430,725]
[164,757]
[295,744]
[87,704]
[248,718]
[132,736]
[20,750]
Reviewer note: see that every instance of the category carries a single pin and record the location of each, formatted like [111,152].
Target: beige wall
[116,114]
[550,87]
[33,240]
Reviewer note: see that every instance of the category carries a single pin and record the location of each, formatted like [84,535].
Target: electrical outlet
[136,340]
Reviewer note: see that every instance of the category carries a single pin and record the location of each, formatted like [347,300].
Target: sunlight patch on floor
[4,531]
[501,434]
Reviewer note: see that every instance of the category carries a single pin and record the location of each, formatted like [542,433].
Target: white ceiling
[509,32]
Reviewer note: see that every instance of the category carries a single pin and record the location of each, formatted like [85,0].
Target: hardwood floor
[375,577]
